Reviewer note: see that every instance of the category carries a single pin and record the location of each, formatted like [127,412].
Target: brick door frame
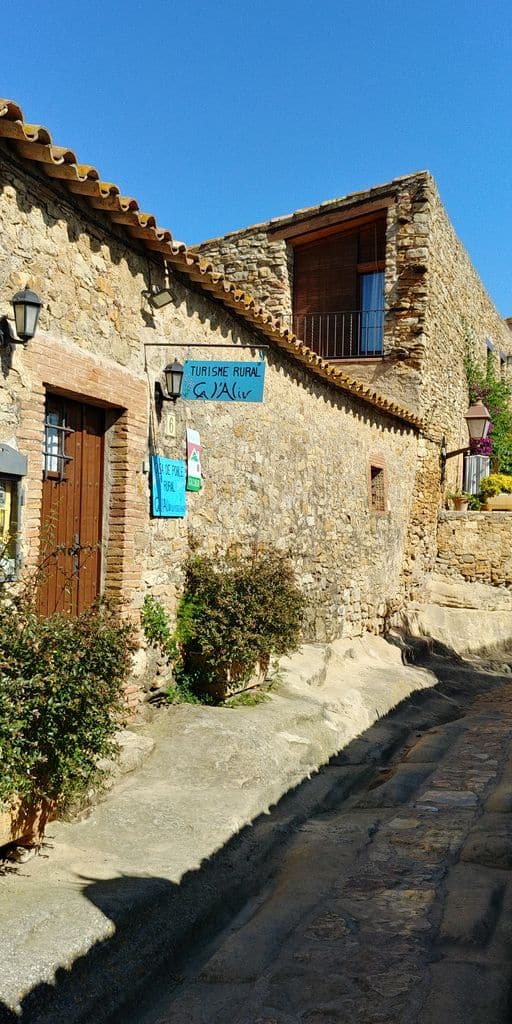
[62,367]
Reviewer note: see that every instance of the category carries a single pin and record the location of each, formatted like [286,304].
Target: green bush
[496,483]
[495,392]
[156,629]
[61,697]
[244,611]
[234,615]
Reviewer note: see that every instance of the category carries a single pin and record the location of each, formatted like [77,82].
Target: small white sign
[194,475]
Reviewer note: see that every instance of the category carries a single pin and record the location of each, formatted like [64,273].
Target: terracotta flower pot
[25,823]
[229,675]
[460,504]
[499,503]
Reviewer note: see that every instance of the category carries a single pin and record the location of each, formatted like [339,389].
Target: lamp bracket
[199,344]
[161,396]
[7,336]
[449,455]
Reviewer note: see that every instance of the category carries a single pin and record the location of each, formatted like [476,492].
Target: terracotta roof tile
[34,142]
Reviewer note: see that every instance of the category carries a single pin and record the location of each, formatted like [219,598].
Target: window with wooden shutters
[333,280]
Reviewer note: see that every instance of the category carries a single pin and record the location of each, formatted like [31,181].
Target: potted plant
[496,492]
[460,500]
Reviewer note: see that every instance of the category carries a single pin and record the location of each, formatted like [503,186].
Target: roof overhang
[34,143]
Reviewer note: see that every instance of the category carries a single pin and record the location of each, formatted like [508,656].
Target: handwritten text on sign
[168,487]
[223,382]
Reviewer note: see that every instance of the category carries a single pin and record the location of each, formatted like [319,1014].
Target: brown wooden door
[71,518]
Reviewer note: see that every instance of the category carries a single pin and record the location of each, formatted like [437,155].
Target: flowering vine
[496,394]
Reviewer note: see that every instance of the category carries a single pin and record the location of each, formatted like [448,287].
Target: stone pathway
[394,907]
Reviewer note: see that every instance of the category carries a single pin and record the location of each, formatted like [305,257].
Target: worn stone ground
[392,907]
[339,878]
[189,834]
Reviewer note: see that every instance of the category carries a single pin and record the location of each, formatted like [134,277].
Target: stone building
[324,467]
[379,284]
[337,468]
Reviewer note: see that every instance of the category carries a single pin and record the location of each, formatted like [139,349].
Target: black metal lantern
[27,306]
[173,374]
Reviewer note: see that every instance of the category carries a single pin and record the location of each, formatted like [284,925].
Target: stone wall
[459,314]
[421,544]
[475,546]
[436,307]
[292,472]
[260,265]
[435,302]
[263,266]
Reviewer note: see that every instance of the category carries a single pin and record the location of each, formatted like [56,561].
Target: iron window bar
[52,455]
[349,334]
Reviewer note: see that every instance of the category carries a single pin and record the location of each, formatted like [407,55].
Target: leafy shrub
[158,633]
[61,687]
[244,610]
[234,614]
[496,483]
[155,625]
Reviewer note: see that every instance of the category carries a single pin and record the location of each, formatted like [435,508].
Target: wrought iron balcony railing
[353,335]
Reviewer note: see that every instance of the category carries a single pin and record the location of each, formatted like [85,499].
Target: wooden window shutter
[325,275]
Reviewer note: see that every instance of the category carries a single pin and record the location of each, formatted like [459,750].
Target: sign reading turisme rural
[210,381]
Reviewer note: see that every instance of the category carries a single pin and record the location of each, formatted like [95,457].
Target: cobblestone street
[393,906]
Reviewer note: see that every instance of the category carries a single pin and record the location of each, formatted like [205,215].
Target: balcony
[353,335]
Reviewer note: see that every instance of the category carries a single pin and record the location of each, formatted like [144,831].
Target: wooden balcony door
[72,507]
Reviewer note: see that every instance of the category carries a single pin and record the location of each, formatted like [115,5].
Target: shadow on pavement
[157,922]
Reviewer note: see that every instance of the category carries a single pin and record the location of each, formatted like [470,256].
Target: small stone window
[377,485]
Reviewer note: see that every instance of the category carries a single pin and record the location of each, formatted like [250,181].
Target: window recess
[55,459]
[338,291]
[377,485]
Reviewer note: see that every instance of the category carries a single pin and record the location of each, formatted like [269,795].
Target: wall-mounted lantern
[27,307]
[173,374]
[158,297]
[478,421]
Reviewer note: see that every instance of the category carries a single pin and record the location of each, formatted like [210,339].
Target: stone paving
[395,906]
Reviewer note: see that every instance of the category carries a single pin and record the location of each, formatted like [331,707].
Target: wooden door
[71,518]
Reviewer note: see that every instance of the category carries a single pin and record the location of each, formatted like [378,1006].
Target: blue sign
[168,478]
[210,381]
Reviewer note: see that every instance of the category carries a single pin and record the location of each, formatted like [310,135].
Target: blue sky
[216,116]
